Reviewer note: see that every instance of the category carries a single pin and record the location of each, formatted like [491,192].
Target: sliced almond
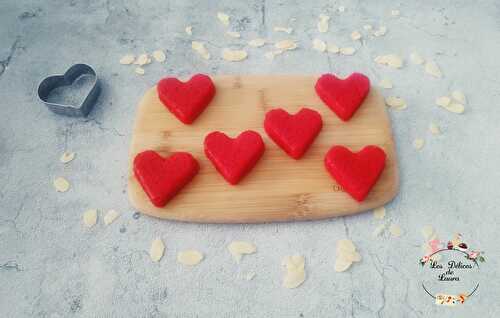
[295,271]
[286,45]
[347,50]
[223,18]
[342,265]
[391,60]
[332,48]
[323,23]
[341,9]
[143,59]
[434,129]
[110,217]
[257,42]
[139,71]
[455,108]
[319,45]
[67,156]
[380,32]
[157,250]
[385,83]
[234,55]
[395,102]
[355,35]
[379,213]
[189,30]
[345,245]
[127,59]
[240,248]
[189,257]
[443,101]
[90,217]
[458,96]
[159,56]
[199,47]
[282,29]
[433,69]
[61,184]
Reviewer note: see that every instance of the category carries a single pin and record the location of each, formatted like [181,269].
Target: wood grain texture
[279,188]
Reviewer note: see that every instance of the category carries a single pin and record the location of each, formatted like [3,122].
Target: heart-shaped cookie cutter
[54,81]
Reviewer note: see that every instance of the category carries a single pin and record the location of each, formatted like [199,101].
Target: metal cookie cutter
[50,83]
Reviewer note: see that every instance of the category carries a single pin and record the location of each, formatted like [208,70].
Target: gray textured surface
[50,266]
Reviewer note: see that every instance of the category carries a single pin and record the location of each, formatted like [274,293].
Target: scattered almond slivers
[199,47]
[143,59]
[415,58]
[271,54]
[295,271]
[395,102]
[257,42]
[347,50]
[282,29]
[234,55]
[391,60]
[380,32]
[189,257]
[379,213]
[418,143]
[355,35]
[450,105]
[346,255]
[240,248]
[139,71]
[395,230]
[319,45]
[433,69]
[61,184]
[67,156]
[233,34]
[323,23]
[127,59]
[385,83]
[157,250]
[90,218]
[341,9]
[286,45]
[434,129]
[332,48]
[223,18]
[189,30]
[458,96]
[159,56]
[110,217]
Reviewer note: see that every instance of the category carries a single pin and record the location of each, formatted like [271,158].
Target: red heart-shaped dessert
[234,158]
[293,133]
[186,100]
[162,178]
[357,172]
[343,96]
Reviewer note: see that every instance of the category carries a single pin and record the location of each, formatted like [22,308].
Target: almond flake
[199,47]
[127,59]
[257,42]
[355,35]
[282,29]
[433,69]
[223,18]
[434,129]
[395,102]
[295,271]
[379,213]
[110,217]
[139,71]
[342,264]
[61,184]
[378,230]
[385,83]
[234,55]
[240,248]
[415,58]
[233,34]
[341,9]
[319,45]
[455,108]
[346,255]
[323,23]
[271,54]
[391,60]
[367,27]
[347,50]
[332,48]
[345,245]
[189,30]
[443,101]
[418,143]
[427,232]
[143,59]
[67,157]
[90,217]
[286,45]
[395,230]
[156,250]
[159,56]
[189,257]
[458,96]
[381,31]
[395,13]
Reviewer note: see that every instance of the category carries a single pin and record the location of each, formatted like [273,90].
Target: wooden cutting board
[279,188]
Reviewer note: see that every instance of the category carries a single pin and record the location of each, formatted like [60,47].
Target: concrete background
[51,266]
